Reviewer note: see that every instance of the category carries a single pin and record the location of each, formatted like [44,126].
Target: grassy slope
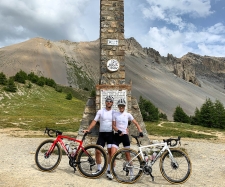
[38,107]
[172,129]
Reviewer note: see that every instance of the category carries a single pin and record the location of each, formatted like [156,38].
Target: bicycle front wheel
[88,159]
[126,166]
[48,161]
[179,169]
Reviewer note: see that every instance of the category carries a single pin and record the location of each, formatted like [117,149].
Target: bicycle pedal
[152,177]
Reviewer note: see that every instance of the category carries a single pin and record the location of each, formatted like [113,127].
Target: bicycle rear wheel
[124,171]
[48,161]
[87,164]
[177,171]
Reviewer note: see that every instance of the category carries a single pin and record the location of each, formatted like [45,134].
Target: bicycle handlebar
[48,131]
[171,141]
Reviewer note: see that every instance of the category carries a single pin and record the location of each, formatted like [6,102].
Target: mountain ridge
[166,81]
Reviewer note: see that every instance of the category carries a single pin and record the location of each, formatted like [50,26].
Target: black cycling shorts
[105,137]
[121,139]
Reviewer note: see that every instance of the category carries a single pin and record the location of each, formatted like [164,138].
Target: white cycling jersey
[121,120]
[105,118]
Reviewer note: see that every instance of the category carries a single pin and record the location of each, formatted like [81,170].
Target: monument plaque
[113,65]
[113,42]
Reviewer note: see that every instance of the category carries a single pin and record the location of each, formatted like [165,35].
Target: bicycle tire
[87,166]
[122,172]
[175,173]
[50,162]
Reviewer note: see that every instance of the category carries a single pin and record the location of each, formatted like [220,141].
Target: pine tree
[11,87]
[3,79]
[33,78]
[196,118]
[21,77]
[148,110]
[180,116]
[206,117]
[219,115]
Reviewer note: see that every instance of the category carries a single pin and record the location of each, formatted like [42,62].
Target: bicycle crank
[148,171]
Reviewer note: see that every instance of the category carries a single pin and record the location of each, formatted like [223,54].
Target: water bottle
[68,148]
[146,158]
[73,152]
[154,155]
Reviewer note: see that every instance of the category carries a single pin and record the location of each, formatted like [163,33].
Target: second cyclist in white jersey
[120,123]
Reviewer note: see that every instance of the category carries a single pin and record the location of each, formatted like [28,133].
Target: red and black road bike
[49,154]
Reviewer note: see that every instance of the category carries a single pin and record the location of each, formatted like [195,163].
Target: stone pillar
[112,45]
[112,69]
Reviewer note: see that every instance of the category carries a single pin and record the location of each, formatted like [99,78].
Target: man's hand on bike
[141,134]
[85,131]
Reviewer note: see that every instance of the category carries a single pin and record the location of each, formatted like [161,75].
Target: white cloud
[209,41]
[49,19]
[166,41]
[218,28]
[172,11]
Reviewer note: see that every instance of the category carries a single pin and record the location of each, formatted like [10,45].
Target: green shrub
[69,96]
[163,116]
[93,93]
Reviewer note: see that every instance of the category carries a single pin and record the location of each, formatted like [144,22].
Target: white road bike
[128,165]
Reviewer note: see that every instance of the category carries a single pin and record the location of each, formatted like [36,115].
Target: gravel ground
[17,166]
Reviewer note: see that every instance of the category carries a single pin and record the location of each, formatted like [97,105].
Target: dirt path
[17,166]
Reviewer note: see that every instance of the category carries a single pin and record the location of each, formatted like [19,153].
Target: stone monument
[112,69]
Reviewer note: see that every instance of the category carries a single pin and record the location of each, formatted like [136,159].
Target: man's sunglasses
[109,101]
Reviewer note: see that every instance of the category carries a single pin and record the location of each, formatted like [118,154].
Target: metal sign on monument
[117,94]
[113,42]
[113,65]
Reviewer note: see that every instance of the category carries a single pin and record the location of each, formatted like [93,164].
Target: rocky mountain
[166,81]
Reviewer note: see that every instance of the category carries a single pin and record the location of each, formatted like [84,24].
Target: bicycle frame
[60,138]
[162,150]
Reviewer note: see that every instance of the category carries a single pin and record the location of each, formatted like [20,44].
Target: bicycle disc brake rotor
[125,168]
[91,161]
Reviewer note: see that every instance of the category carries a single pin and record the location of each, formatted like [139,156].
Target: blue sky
[169,26]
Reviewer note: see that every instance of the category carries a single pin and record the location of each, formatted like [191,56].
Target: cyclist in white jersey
[120,123]
[104,115]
